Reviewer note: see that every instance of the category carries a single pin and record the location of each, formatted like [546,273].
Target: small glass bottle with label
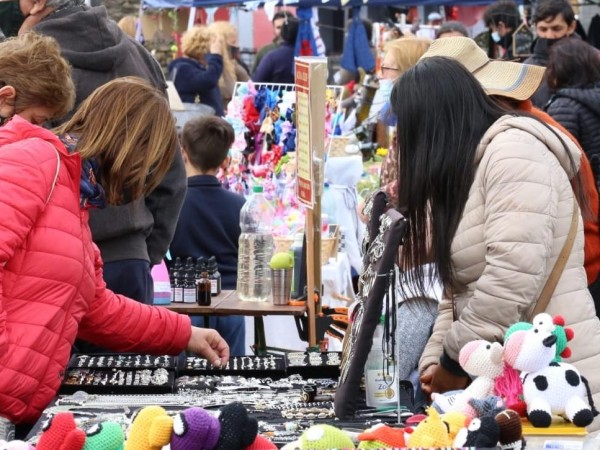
[203,288]
[214,275]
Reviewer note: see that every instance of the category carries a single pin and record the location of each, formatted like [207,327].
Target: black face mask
[545,44]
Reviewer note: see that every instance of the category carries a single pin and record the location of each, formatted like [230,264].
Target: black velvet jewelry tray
[117,381]
[273,366]
[124,361]
[314,364]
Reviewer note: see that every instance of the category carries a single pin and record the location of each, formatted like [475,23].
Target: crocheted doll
[104,436]
[554,325]
[261,443]
[195,428]
[61,433]
[482,432]
[431,432]
[511,430]
[382,436]
[325,437]
[238,429]
[455,420]
[15,445]
[150,430]
[483,360]
[549,387]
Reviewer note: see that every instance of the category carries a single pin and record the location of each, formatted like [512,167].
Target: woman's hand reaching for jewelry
[210,345]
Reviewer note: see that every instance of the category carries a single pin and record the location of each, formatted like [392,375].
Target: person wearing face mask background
[233,68]
[554,20]
[503,19]
[400,55]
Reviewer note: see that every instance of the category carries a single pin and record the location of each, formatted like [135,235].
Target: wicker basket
[329,246]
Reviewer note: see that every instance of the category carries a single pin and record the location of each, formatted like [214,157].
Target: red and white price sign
[305,191]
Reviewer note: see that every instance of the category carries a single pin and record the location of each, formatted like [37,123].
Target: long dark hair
[572,63]
[442,115]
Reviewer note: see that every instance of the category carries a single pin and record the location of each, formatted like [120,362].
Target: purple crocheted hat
[195,428]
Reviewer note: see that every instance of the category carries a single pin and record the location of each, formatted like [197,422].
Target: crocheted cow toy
[548,387]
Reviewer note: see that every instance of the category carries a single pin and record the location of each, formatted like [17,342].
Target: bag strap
[559,265]
[55,175]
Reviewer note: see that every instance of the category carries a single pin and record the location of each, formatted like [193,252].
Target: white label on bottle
[189,295]
[382,387]
[177,295]
[213,287]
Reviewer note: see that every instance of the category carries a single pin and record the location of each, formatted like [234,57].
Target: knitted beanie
[61,433]
[150,430]
[381,436]
[195,428]
[261,443]
[511,429]
[325,437]
[104,436]
[238,430]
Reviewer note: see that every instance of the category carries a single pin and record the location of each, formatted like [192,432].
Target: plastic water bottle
[381,382]
[255,249]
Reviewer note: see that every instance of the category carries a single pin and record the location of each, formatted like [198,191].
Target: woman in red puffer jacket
[51,286]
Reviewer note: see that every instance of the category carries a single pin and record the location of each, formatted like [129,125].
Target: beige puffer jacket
[514,225]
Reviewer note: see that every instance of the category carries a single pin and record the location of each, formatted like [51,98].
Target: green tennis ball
[282,260]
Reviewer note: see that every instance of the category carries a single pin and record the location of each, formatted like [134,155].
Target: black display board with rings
[314,364]
[255,366]
[119,381]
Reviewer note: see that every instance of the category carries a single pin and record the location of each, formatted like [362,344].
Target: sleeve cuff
[452,366]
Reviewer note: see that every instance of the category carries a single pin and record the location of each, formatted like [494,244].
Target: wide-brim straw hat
[505,78]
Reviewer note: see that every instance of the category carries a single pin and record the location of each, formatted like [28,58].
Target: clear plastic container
[255,248]
[381,379]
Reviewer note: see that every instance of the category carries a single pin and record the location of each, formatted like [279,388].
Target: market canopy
[304,3]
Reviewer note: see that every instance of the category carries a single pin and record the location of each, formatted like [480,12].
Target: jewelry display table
[228,304]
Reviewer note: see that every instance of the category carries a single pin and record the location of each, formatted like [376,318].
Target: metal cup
[281,285]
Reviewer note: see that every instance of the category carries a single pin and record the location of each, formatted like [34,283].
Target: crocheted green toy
[325,437]
[104,436]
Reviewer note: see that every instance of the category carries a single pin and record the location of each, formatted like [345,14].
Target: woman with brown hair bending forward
[117,147]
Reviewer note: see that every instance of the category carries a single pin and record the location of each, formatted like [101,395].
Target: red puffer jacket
[51,286]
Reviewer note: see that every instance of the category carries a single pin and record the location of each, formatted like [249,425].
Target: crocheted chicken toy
[150,430]
[548,387]
[431,432]
[382,436]
[61,433]
[483,360]
[195,428]
[104,436]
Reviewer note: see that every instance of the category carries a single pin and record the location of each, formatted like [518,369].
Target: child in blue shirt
[209,223]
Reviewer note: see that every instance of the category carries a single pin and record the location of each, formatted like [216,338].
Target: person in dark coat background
[209,224]
[196,75]
[573,73]
[278,65]
[554,20]
[133,236]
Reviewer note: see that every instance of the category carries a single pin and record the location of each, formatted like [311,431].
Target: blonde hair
[225,30]
[33,66]
[127,24]
[407,51]
[127,125]
[196,43]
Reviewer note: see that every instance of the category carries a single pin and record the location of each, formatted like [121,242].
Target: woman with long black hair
[488,199]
